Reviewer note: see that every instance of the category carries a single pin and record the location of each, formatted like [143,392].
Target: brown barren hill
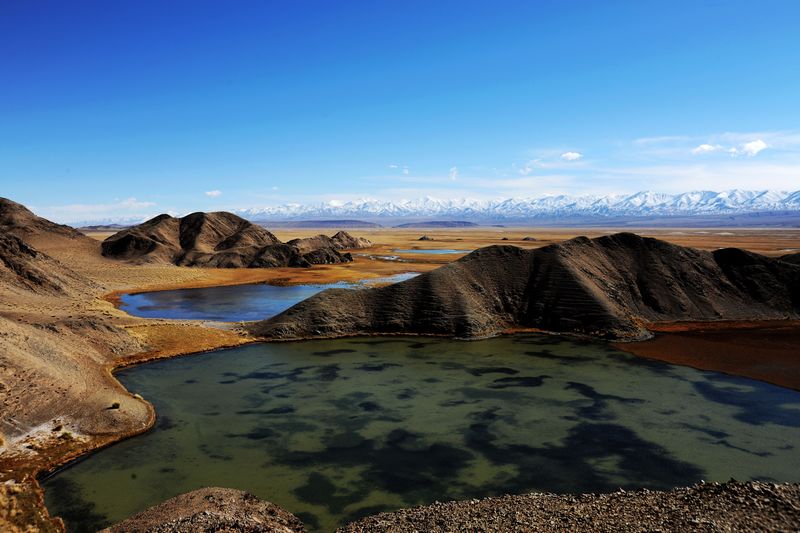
[20,221]
[608,287]
[221,240]
[22,267]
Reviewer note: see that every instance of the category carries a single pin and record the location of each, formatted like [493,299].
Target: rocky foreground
[731,506]
[223,240]
[609,287]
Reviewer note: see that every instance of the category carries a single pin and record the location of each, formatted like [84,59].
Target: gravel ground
[731,506]
[211,509]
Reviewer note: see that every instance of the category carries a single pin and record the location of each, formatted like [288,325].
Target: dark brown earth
[211,509]
[608,287]
[222,240]
[792,258]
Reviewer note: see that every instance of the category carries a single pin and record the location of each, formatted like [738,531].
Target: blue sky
[127,108]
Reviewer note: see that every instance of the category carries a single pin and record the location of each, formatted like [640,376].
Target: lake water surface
[233,303]
[336,429]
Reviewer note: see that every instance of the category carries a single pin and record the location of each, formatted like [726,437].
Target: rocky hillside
[24,268]
[608,287]
[341,241]
[791,258]
[20,221]
[221,240]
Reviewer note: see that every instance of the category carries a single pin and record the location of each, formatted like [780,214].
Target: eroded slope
[608,287]
[221,240]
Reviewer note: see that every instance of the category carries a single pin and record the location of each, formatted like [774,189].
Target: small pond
[233,303]
[333,430]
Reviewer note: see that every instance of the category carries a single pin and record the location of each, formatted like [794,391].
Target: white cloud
[214,194]
[749,149]
[746,148]
[571,156]
[706,148]
[405,171]
[453,173]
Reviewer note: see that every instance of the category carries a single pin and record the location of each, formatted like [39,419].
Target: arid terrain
[729,506]
[609,287]
[61,335]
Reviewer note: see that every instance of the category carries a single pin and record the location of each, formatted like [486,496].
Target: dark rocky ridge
[791,258]
[609,287]
[221,240]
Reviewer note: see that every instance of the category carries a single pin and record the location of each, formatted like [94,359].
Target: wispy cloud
[749,149]
[401,168]
[571,156]
[127,207]
[453,174]
[214,194]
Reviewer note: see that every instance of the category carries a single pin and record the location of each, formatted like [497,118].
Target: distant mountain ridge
[640,204]
[643,206]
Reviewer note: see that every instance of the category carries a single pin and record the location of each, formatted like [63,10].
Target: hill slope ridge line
[222,240]
[608,287]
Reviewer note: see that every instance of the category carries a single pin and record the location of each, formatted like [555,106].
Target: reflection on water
[337,429]
[234,303]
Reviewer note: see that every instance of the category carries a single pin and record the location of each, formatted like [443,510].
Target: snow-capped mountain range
[540,209]
[640,204]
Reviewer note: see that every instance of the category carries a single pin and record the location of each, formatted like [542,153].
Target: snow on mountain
[541,208]
[644,203]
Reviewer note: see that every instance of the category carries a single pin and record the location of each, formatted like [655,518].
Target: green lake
[334,430]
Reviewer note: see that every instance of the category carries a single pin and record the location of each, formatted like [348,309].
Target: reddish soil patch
[768,352]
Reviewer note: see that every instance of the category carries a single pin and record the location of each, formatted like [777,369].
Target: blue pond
[233,303]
